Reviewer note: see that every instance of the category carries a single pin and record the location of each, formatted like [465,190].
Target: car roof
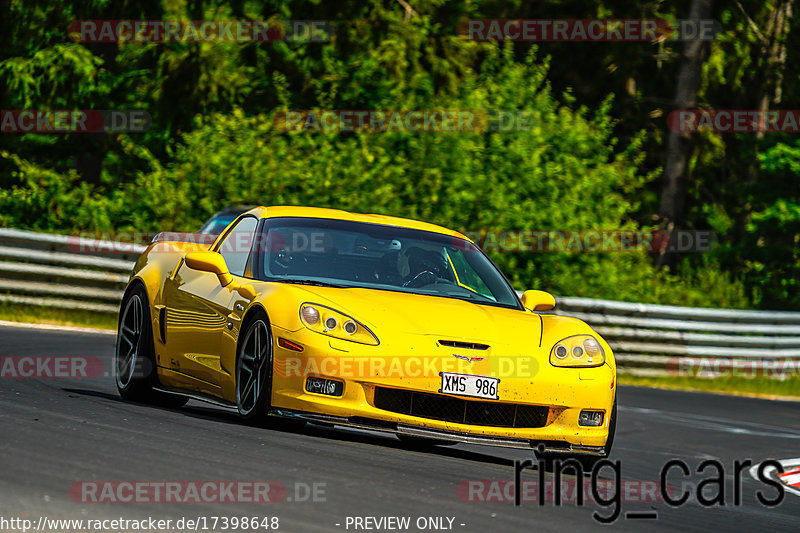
[338,214]
[235,209]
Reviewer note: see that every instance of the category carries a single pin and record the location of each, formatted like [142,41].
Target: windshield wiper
[314,282]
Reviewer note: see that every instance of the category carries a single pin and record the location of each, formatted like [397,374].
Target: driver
[425,267]
[293,249]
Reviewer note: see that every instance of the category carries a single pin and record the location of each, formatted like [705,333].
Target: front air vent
[460,411]
[464,345]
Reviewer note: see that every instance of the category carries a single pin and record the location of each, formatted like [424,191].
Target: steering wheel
[426,277]
[285,259]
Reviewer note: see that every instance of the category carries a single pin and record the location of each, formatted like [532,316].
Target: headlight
[335,324]
[310,315]
[577,351]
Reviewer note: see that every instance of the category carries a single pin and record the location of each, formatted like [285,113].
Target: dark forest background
[599,157]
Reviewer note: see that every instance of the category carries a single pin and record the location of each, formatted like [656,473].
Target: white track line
[771,472]
[54,327]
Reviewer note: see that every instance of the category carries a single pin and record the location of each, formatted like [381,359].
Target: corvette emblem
[468,359]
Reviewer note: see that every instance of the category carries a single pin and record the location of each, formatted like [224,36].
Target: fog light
[330,322]
[328,387]
[590,418]
[350,327]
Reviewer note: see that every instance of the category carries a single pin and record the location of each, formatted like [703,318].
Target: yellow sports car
[367,321]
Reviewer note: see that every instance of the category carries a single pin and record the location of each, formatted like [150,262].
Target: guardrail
[660,340]
[64,272]
[666,340]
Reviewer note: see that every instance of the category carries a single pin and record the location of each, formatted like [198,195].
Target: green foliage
[771,246]
[589,161]
[563,173]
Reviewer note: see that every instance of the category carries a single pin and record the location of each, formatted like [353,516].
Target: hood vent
[465,345]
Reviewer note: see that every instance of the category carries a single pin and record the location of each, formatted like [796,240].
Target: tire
[588,461]
[254,370]
[134,358]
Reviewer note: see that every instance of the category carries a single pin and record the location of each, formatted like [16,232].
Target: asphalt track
[56,432]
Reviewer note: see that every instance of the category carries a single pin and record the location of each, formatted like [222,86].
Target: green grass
[50,315]
[756,386]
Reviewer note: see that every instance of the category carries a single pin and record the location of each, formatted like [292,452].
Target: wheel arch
[248,317]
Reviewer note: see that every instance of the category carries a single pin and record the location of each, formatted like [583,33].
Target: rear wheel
[134,360]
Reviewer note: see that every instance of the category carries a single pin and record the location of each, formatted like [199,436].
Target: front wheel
[254,371]
[587,462]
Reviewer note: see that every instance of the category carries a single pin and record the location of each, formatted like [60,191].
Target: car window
[237,244]
[217,225]
[465,275]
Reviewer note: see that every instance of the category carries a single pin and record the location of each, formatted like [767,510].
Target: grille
[449,409]
[465,345]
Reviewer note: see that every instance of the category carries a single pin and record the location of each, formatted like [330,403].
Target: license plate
[468,385]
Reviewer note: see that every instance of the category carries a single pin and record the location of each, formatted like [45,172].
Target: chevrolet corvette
[365,321]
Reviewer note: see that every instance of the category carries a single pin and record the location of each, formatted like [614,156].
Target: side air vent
[162,324]
[465,345]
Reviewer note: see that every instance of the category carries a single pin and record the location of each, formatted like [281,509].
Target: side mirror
[214,263]
[210,262]
[535,301]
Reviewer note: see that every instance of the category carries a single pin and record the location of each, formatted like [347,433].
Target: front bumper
[437,434]
[562,393]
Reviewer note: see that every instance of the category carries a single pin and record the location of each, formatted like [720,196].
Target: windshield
[356,254]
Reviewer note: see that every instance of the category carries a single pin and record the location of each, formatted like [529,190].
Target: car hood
[446,318]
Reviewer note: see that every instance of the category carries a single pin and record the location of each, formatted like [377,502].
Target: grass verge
[760,387]
[51,315]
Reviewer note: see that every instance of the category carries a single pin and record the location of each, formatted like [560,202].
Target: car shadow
[310,429]
[212,413]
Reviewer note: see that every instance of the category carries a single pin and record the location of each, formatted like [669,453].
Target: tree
[679,145]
